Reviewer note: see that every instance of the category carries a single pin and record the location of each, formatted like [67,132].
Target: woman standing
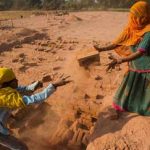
[133,94]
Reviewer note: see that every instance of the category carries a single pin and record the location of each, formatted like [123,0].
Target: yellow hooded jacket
[9,97]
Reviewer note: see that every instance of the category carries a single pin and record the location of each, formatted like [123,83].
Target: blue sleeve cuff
[39,97]
[30,87]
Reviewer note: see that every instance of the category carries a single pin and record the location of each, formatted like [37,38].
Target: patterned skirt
[133,95]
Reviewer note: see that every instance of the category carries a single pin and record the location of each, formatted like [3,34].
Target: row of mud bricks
[74,131]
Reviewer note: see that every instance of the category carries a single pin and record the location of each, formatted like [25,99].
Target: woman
[10,97]
[133,94]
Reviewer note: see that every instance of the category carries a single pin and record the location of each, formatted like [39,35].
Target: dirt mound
[20,37]
[26,121]
[129,132]
[73,18]
[25,32]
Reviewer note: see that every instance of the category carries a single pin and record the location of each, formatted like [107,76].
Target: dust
[75,116]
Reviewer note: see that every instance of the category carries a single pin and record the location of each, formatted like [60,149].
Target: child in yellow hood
[10,97]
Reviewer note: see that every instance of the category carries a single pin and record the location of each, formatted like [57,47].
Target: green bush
[5,4]
[65,4]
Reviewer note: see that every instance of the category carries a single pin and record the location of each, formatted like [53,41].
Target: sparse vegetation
[64,4]
[14,14]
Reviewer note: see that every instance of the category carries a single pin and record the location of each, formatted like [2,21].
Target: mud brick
[67,136]
[15,60]
[80,137]
[84,107]
[56,68]
[86,96]
[73,141]
[87,58]
[46,78]
[99,96]
[87,122]
[44,44]
[97,77]
[85,139]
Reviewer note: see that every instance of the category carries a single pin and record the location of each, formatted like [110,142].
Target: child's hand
[62,82]
[39,85]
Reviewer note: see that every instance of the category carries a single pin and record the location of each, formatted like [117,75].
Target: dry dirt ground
[76,116]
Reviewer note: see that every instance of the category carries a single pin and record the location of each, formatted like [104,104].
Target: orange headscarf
[138,25]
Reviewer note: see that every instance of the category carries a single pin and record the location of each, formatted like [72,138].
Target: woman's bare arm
[116,61]
[106,48]
[131,57]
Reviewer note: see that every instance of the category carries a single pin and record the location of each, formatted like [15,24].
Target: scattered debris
[58,58]
[15,60]
[61,13]
[99,96]
[71,48]
[22,55]
[97,77]
[40,49]
[18,46]
[86,96]
[73,18]
[46,78]
[56,68]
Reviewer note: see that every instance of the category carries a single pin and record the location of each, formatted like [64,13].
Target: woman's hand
[97,47]
[105,48]
[116,61]
[113,63]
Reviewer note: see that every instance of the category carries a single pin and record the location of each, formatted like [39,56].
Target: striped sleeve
[39,97]
[144,45]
